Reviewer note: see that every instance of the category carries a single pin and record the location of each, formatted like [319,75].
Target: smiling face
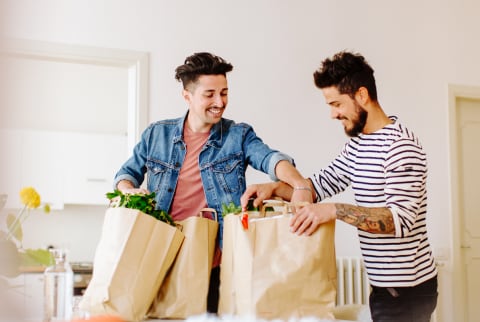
[347,110]
[207,100]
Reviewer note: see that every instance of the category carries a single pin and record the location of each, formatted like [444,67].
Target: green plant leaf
[111,195]
[35,257]
[144,202]
[230,208]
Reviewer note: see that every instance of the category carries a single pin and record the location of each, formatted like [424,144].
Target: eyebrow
[333,102]
[212,90]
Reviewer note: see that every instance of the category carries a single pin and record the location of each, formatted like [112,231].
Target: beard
[358,123]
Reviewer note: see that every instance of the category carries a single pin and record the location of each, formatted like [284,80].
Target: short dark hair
[201,64]
[347,72]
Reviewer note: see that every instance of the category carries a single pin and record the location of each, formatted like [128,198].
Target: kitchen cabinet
[10,166]
[31,158]
[26,295]
[41,159]
[91,161]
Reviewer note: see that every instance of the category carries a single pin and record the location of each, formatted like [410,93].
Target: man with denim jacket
[199,160]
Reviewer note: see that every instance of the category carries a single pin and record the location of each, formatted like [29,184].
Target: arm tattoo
[372,220]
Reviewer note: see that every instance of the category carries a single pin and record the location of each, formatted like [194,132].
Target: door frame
[454,92]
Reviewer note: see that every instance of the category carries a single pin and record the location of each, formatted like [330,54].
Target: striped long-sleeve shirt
[387,168]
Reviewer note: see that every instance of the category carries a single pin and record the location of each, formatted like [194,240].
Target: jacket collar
[214,139]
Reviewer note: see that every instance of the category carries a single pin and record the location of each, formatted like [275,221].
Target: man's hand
[127,187]
[135,191]
[307,219]
[259,192]
[265,191]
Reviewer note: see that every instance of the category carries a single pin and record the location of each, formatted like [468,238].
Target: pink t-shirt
[189,196]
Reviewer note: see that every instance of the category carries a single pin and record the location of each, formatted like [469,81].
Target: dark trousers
[213,291]
[404,304]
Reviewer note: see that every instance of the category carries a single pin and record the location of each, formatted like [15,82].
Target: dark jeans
[404,304]
[213,291]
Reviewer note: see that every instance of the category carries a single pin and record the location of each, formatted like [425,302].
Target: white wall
[416,47]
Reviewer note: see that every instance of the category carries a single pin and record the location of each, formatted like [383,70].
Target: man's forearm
[287,173]
[282,190]
[372,220]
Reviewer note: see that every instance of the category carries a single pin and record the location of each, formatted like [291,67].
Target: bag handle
[272,204]
[287,207]
[203,210]
[292,205]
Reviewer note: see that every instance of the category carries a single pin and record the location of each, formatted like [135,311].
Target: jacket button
[177,164]
[170,190]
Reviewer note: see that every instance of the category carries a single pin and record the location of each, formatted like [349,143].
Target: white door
[468,136]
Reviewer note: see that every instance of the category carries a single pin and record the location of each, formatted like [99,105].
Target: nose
[219,101]
[333,113]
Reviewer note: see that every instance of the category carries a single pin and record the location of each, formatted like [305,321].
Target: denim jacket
[223,161]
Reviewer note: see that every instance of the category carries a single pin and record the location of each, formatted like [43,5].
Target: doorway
[465,160]
[61,104]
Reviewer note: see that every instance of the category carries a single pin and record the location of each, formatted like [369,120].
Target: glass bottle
[58,288]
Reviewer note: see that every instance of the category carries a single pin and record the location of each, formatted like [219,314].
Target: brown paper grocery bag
[185,289]
[131,260]
[271,273]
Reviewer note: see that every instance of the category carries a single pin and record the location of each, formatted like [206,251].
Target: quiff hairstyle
[201,64]
[347,72]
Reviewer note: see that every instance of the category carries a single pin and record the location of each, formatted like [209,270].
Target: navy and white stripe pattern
[387,168]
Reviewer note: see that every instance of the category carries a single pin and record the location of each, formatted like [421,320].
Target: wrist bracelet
[302,188]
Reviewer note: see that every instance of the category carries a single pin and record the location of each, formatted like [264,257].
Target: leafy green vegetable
[230,208]
[144,202]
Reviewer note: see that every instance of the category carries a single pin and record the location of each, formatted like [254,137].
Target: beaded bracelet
[302,188]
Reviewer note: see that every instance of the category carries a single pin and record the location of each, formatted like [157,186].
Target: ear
[187,96]
[362,95]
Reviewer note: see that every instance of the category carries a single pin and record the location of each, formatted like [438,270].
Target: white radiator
[353,286]
[352,281]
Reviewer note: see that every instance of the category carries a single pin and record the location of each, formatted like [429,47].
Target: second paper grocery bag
[185,289]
